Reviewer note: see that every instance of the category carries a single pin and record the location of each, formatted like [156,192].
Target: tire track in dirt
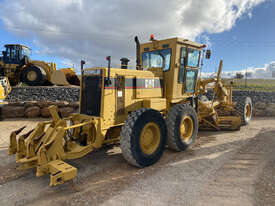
[233,183]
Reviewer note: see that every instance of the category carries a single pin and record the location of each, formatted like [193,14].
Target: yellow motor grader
[144,109]
[17,66]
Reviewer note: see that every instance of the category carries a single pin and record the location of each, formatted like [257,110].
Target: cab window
[13,53]
[182,64]
[157,59]
[26,52]
[193,57]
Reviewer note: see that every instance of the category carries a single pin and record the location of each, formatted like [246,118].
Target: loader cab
[178,59]
[15,54]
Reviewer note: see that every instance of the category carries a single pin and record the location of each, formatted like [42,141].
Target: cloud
[91,30]
[266,72]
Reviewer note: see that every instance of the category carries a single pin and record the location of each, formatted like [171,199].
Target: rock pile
[263,109]
[37,109]
[263,102]
[34,101]
[54,94]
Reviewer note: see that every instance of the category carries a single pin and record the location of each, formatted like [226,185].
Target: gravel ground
[222,168]
[265,185]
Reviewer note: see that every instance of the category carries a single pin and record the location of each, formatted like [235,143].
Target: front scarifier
[50,143]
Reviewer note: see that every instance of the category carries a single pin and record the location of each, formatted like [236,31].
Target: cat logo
[149,83]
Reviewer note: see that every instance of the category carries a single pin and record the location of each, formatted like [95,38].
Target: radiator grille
[91,95]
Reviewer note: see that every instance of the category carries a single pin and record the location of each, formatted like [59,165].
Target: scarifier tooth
[13,144]
[36,139]
[27,134]
[19,130]
[47,146]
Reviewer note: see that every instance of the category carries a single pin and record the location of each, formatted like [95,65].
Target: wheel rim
[247,111]
[31,75]
[186,128]
[150,138]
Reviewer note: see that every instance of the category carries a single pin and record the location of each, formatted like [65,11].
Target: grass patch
[255,84]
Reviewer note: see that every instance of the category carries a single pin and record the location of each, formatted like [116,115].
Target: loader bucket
[71,76]
[64,77]
[58,78]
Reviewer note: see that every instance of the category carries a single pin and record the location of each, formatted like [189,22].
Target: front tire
[143,137]
[182,127]
[33,76]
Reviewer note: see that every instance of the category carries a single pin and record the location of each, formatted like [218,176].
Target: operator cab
[15,54]
[178,59]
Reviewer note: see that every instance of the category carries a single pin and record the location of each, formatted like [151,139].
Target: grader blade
[229,123]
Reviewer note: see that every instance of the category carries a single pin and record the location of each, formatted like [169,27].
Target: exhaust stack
[138,53]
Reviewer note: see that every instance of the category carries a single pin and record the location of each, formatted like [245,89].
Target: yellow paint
[150,138]
[186,128]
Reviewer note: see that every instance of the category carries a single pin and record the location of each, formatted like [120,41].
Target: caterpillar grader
[15,64]
[143,109]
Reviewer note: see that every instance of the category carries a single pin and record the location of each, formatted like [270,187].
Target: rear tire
[182,127]
[244,108]
[143,137]
[33,76]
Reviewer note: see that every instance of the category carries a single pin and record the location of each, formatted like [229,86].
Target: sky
[241,32]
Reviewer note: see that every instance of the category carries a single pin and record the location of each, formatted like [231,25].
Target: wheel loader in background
[143,109]
[17,66]
[5,88]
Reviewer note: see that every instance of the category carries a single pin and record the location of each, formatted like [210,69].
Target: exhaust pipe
[138,53]
[82,66]
[108,80]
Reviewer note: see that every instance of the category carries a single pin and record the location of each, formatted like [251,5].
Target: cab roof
[186,41]
[6,45]
[176,40]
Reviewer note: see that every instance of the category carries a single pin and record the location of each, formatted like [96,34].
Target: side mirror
[4,53]
[208,54]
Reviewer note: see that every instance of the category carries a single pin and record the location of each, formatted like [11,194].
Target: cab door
[188,71]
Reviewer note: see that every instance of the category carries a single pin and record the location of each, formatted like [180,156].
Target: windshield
[193,57]
[26,52]
[157,59]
